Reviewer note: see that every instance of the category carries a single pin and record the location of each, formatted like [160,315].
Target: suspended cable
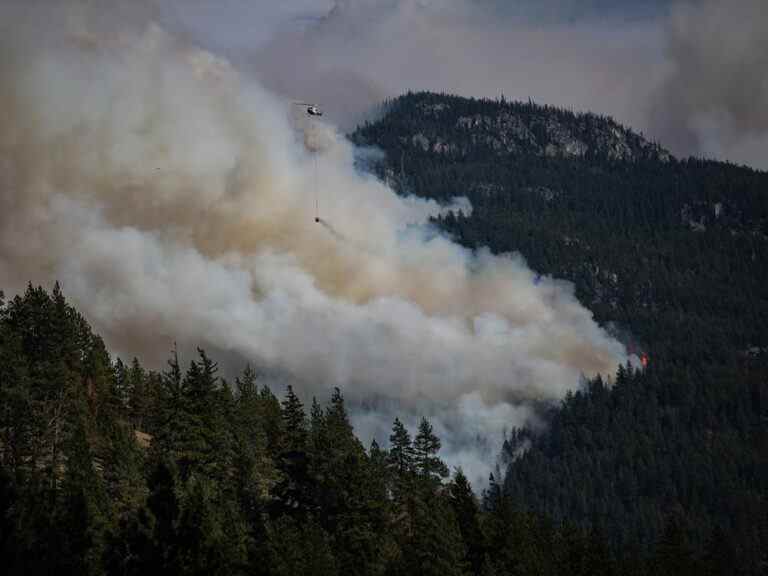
[311,111]
[317,199]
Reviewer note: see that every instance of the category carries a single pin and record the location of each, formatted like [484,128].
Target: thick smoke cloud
[366,49]
[173,199]
[715,101]
[691,74]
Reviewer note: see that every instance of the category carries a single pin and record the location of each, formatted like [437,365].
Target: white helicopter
[312,110]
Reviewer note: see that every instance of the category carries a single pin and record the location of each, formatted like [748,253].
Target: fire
[644,360]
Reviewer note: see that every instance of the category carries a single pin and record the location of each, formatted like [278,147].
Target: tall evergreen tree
[467,513]
[294,422]
[426,445]
[139,400]
[401,453]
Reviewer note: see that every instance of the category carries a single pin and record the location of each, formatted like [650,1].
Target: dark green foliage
[401,453]
[664,472]
[299,548]
[138,393]
[210,536]
[238,483]
[255,473]
[294,423]
[467,513]
[223,483]
[668,249]
[426,445]
[429,539]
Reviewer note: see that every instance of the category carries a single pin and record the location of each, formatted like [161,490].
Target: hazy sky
[150,147]
[691,74]
[173,197]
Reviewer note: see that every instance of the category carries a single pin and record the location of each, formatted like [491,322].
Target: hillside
[467,129]
[671,255]
[667,248]
[107,468]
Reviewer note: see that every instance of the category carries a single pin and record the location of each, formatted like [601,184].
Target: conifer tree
[317,425]
[467,514]
[170,418]
[121,385]
[295,491]
[426,445]
[82,510]
[256,473]
[401,452]
[207,442]
[210,536]
[271,414]
[299,548]
[138,395]
[433,545]
[294,422]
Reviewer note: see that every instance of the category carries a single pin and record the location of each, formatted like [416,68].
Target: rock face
[436,123]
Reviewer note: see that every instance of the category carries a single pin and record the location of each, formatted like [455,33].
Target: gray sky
[172,195]
[691,74]
[175,200]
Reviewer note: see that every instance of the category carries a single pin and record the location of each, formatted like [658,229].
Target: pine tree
[401,452]
[210,536]
[255,470]
[295,491]
[170,417]
[294,422]
[467,514]
[340,471]
[378,471]
[432,544]
[674,555]
[299,548]
[82,511]
[247,388]
[317,425]
[208,442]
[121,385]
[426,445]
[271,414]
[138,395]
[164,506]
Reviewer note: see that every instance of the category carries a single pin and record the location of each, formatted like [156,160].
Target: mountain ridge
[668,251]
[501,128]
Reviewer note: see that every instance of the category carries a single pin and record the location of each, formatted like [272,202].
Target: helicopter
[312,110]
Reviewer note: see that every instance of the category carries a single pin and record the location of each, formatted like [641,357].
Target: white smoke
[174,200]
[715,100]
[689,73]
[364,50]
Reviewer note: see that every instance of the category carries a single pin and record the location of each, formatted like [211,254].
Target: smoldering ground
[173,199]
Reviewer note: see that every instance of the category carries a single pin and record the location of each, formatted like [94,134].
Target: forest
[668,253]
[110,467]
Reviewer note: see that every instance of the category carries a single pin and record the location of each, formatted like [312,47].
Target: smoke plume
[692,74]
[715,100]
[174,200]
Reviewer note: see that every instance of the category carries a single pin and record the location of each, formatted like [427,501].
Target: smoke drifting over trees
[174,201]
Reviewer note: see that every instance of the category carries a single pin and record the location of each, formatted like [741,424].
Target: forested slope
[106,468]
[672,255]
